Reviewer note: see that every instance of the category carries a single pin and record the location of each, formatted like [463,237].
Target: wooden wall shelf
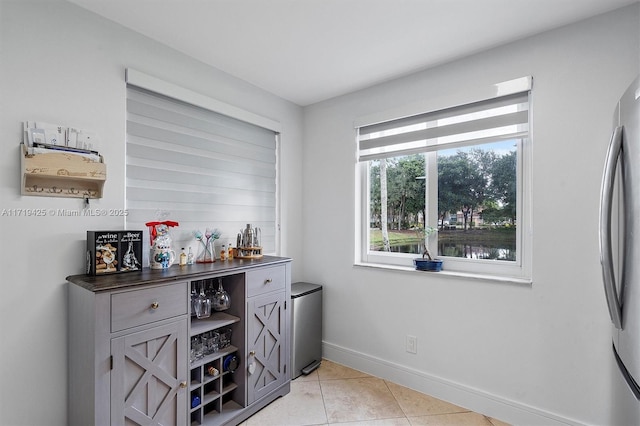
[61,174]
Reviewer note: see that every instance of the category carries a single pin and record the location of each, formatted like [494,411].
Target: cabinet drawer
[138,307]
[265,280]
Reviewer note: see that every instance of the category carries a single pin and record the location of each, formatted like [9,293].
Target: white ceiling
[310,50]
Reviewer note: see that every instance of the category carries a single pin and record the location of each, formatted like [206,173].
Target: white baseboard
[477,400]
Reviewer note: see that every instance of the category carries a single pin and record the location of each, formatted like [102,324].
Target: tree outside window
[463,171]
[477,184]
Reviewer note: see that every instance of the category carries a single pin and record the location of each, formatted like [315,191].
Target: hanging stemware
[203,309]
[221,299]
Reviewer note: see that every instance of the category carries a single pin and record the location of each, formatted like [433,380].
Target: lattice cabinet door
[267,344]
[149,376]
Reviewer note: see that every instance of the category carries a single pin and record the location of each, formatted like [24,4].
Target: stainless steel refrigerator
[620,254]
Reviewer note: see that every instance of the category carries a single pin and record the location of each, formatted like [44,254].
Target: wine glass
[194,297]
[203,304]
[221,299]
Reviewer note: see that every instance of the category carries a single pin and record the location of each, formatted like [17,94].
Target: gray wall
[527,354]
[62,64]
[524,354]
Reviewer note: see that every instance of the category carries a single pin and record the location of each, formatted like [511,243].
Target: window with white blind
[200,168]
[454,181]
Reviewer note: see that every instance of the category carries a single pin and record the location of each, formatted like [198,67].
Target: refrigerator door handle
[606,202]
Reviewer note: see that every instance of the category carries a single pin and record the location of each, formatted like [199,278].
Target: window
[454,181]
[203,168]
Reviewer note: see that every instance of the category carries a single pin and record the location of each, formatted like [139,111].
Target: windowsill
[451,274]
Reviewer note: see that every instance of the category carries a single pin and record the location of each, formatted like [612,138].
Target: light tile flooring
[336,395]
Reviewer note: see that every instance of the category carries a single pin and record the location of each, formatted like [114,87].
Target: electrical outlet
[412,344]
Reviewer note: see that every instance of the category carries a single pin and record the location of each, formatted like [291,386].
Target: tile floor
[335,394]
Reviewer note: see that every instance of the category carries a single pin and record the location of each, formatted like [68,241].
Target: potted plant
[427,262]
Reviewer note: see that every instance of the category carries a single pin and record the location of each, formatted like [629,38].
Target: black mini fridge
[306,328]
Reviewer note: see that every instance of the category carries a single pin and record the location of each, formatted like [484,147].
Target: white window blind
[492,120]
[206,170]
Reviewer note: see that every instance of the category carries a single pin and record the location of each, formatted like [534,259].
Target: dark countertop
[108,282]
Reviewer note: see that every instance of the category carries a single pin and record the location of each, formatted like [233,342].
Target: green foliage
[504,186]
[405,192]
[468,181]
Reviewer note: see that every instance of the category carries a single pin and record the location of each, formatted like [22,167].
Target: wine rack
[216,392]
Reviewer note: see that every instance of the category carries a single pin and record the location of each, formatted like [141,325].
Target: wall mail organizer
[55,173]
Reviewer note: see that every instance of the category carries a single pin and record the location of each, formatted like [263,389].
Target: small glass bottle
[183,258]
[190,256]
[230,253]
[223,253]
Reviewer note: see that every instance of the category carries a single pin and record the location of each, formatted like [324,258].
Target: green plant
[424,234]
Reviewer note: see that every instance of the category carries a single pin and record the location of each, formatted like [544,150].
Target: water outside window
[476,201]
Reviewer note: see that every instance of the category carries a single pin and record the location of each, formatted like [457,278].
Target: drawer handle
[155,305]
[183,385]
[268,281]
